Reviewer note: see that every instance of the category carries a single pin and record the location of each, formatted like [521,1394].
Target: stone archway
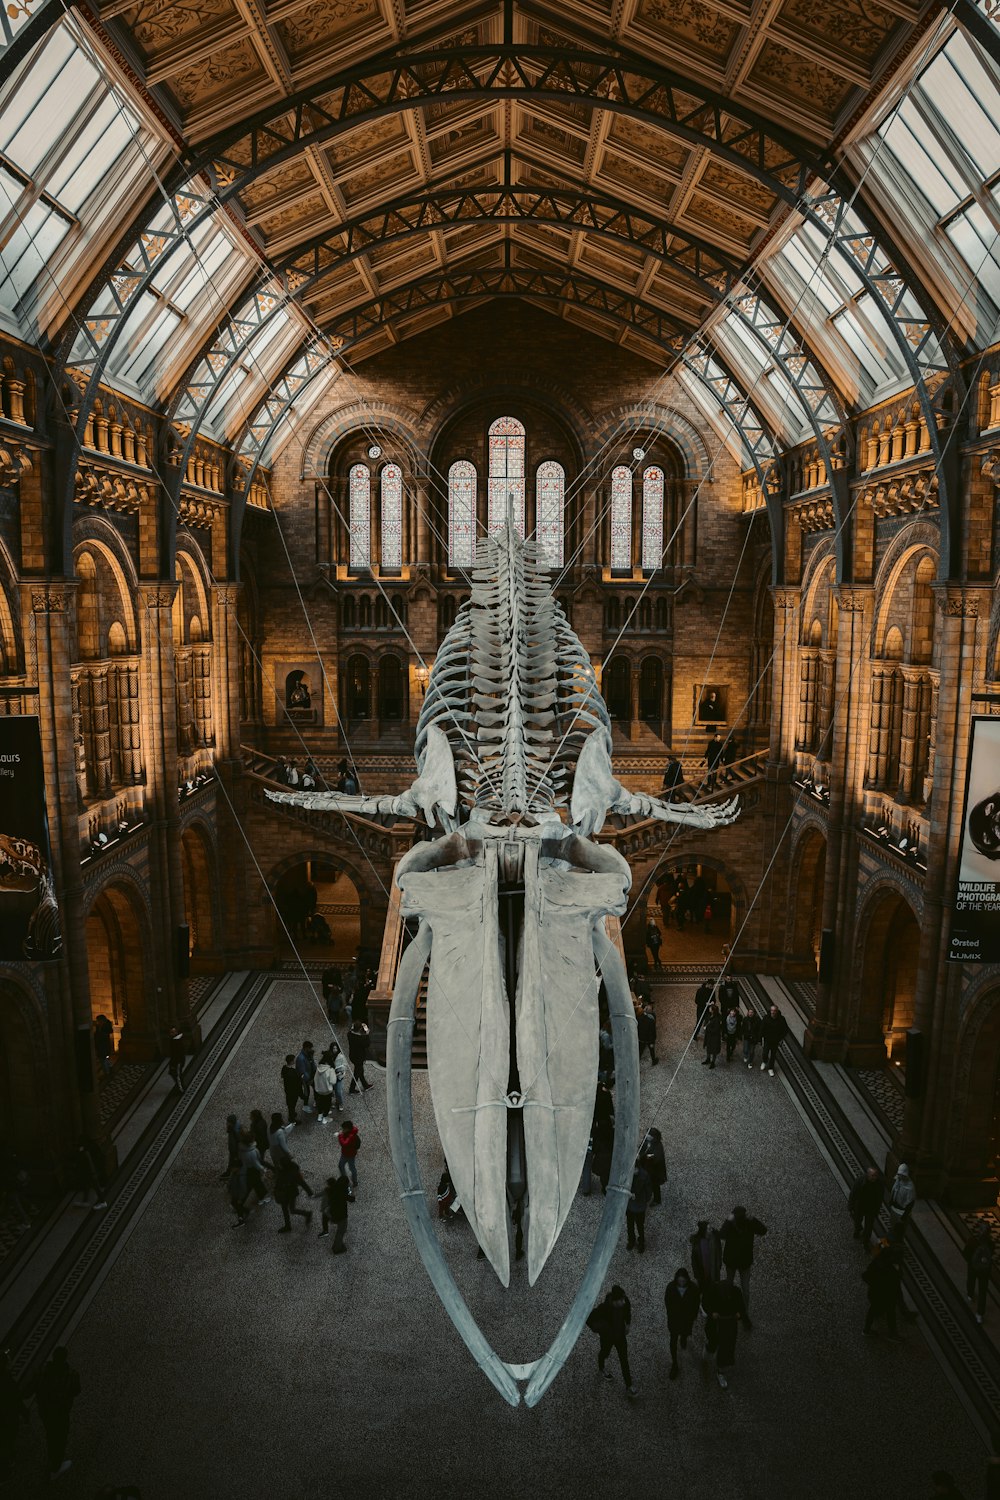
[805,905]
[890,943]
[116,965]
[318,881]
[200,886]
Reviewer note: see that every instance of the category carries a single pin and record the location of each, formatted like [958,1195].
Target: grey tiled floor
[237,1363]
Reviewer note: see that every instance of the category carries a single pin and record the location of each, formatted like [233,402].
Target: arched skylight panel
[360,516]
[652,518]
[943,140]
[259,361]
[849,328]
[550,489]
[770,388]
[172,318]
[506,476]
[462,483]
[714,411]
[391,486]
[72,152]
[621,519]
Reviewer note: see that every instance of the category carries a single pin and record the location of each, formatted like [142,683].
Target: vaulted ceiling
[620,160]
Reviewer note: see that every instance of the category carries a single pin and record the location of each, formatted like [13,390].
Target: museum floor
[240,1363]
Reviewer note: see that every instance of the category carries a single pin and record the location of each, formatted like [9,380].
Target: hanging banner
[29,915]
[975,924]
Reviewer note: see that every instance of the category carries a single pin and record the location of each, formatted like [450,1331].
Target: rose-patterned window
[392,517]
[506,481]
[462,483]
[621,518]
[550,487]
[361,516]
[652,519]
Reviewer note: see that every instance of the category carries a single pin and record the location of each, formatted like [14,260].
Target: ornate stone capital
[52,598]
[956,602]
[853,601]
[159,595]
[226,595]
[786,598]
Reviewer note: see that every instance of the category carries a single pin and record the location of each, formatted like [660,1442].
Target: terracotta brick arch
[885,974]
[120,967]
[371,898]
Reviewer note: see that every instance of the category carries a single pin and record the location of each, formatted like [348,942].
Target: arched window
[392,518]
[462,481]
[621,518]
[652,519]
[390,688]
[506,479]
[360,516]
[550,486]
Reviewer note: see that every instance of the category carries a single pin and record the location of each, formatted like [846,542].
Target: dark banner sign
[29,916]
[975,925]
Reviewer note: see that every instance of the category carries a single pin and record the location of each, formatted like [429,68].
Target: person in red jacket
[350,1145]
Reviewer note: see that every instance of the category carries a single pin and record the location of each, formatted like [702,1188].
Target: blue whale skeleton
[513,755]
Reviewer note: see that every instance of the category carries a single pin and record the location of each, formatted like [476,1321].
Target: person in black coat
[614,1317]
[292,1085]
[713,1035]
[864,1202]
[653,940]
[358,1041]
[682,1301]
[738,1234]
[751,1035]
[706,1255]
[773,1030]
[646,1027]
[653,1159]
[635,1214]
[702,1000]
[57,1388]
[882,1276]
[724,1307]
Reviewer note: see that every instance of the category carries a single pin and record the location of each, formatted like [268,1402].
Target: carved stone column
[226,663]
[75,1104]
[828,1028]
[784,689]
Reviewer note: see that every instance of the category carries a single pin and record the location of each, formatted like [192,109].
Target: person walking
[882,1278]
[750,1028]
[864,1202]
[259,1131]
[713,1035]
[104,1042]
[653,940]
[251,1170]
[703,996]
[713,754]
[979,1261]
[732,1028]
[233,1128]
[324,1084]
[90,1176]
[333,1203]
[288,1183]
[706,1255]
[349,1140]
[646,1026]
[729,994]
[724,1307]
[339,1063]
[614,1317]
[292,1085]
[176,1058]
[902,1196]
[773,1030]
[682,1301]
[305,1066]
[635,1214]
[738,1234]
[55,1391]
[653,1159]
[358,1041]
[277,1141]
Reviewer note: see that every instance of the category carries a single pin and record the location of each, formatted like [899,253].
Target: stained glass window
[360,516]
[652,519]
[621,518]
[506,473]
[392,517]
[462,481]
[550,485]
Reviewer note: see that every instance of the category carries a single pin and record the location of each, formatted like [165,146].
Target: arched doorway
[357,704]
[318,912]
[891,939]
[616,687]
[805,905]
[116,969]
[694,907]
[197,866]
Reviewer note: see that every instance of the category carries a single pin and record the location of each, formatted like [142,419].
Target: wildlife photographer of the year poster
[29,916]
[975,927]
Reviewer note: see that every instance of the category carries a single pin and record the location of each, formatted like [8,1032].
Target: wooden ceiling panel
[322,26]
